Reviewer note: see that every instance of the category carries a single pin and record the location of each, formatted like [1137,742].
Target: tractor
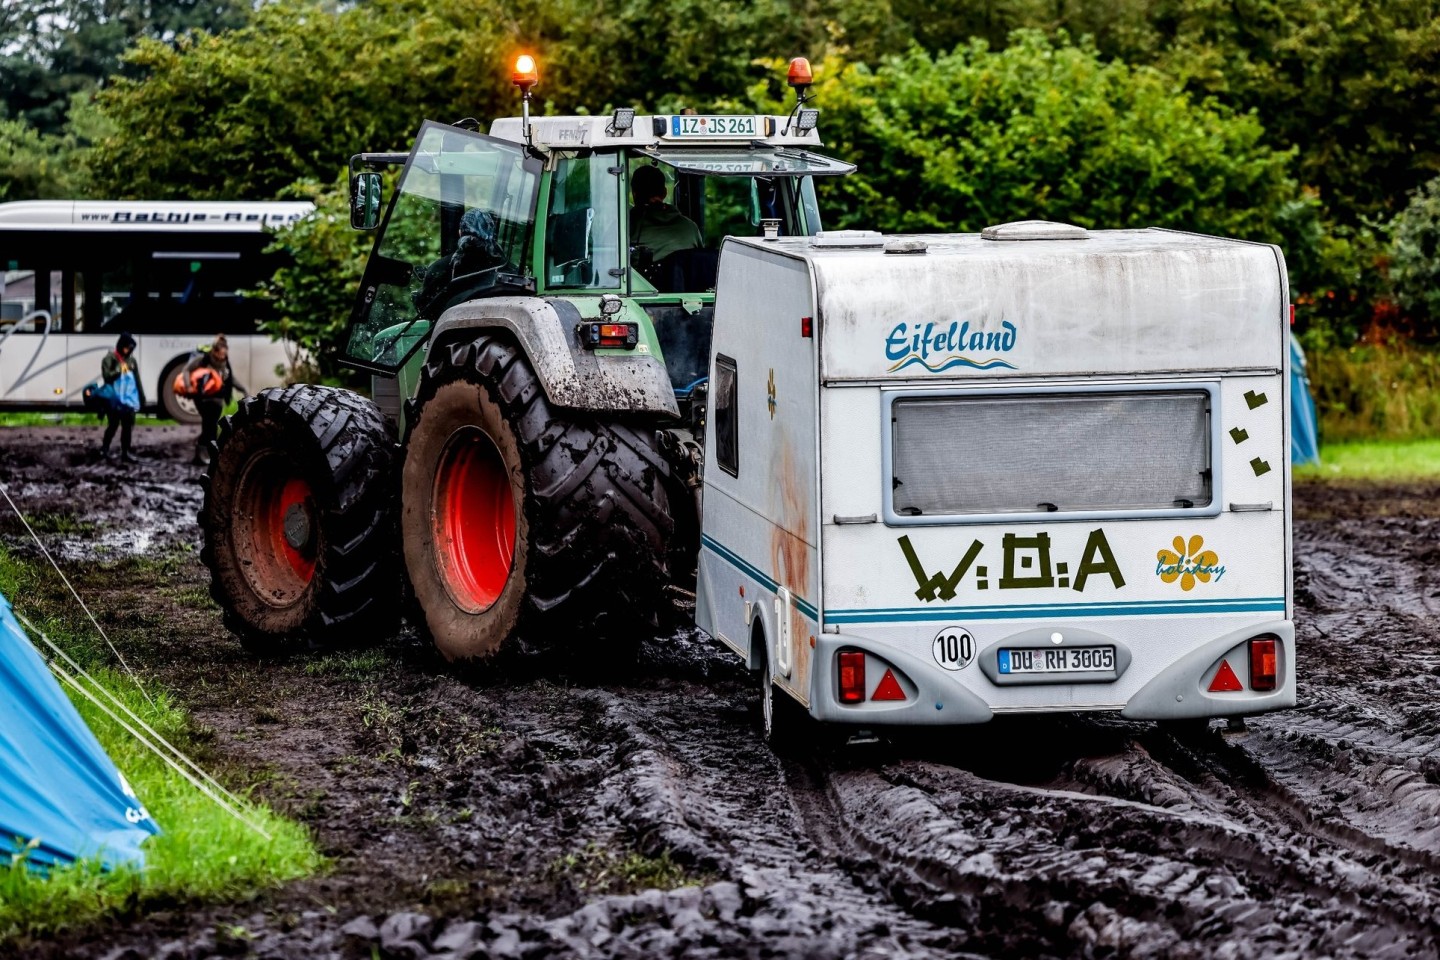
[528,461]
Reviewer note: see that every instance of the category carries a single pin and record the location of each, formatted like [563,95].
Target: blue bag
[127,391]
[99,397]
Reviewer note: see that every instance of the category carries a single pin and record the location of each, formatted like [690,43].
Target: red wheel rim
[277,535]
[474,519]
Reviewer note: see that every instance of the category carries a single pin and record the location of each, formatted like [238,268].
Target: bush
[1045,129]
[1415,257]
[1376,391]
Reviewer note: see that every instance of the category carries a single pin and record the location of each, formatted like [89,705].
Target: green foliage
[1380,391]
[1045,129]
[54,50]
[1415,252]
[315,291]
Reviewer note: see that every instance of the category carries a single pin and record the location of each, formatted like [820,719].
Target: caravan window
[1049,452]
[727,433]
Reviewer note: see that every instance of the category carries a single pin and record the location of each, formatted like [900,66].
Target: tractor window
[458,229]
[582,230]
[727,415]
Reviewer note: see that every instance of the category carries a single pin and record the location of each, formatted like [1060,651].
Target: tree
[1415,257]
[56,49]
[1046,129]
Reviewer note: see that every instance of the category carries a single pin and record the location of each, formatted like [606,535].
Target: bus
[78,273]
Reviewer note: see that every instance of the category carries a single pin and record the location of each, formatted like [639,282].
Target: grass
[37,419]
[203,853]
[1375,460]
[596,869]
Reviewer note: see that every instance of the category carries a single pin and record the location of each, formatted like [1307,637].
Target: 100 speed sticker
[954,648]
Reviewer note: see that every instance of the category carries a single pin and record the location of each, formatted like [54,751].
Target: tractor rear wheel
[514,514]
[298,520]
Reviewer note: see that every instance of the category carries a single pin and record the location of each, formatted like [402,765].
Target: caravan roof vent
[847,238]
[1035,230]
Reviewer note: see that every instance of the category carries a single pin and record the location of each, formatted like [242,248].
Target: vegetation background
[1315,126]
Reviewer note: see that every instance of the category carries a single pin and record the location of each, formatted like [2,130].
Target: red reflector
[889,688]
[852,676]
[1262,663]
[807,327]
[1225,680]
[1292,314]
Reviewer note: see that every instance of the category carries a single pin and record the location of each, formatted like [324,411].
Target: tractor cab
[580,209]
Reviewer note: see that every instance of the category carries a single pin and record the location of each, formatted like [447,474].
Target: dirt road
[515,815]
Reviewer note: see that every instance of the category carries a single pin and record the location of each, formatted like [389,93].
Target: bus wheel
[298,520]
[179,409]
[514,513]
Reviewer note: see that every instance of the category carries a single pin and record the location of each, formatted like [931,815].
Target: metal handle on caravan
[782,631]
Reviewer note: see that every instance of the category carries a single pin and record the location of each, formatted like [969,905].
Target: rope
[76,595]
[201,780]
[234,811]
[120,704]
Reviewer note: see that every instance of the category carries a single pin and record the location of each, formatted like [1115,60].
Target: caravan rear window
[1086,452]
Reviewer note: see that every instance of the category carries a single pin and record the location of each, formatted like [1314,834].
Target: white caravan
[1038,469]
[74,274]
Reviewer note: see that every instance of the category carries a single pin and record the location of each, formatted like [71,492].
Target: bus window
[172,274]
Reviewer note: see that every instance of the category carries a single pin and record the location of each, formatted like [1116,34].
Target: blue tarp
[58,788]
[1304,439]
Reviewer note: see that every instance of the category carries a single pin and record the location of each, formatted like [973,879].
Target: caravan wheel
[298,520]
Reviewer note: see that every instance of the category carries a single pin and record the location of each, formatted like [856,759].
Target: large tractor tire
[518,519]
[299,520]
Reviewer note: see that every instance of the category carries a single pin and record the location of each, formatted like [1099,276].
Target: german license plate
[1057,660]
[682,126]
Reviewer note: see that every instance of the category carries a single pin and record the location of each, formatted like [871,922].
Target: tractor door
[458,228]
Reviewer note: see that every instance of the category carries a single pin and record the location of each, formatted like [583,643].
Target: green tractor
[539,352]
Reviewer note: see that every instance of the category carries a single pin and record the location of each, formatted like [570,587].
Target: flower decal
[1188,563]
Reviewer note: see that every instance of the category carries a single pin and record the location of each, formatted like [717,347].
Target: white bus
[75,274]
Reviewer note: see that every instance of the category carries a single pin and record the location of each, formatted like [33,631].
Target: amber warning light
[799,74]
[526,74]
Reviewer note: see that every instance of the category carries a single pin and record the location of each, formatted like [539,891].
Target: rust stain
[790,557]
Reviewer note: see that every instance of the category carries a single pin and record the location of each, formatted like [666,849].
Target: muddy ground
[638,815]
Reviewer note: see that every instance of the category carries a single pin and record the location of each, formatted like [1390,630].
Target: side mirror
[365,191]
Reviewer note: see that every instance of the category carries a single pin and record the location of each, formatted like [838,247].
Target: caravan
[1039,469]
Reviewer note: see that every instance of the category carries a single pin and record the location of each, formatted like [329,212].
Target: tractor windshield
[459,228]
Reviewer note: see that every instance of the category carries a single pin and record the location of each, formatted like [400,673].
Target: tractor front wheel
[298,520]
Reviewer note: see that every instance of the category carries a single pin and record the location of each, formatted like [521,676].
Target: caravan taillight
[1263,663]
[852,676]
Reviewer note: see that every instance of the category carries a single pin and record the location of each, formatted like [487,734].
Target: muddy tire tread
[598,491]
[358,597]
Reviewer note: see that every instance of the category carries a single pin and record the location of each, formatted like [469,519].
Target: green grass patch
[75,419]
[203,853]
[598,870]
[1375,460]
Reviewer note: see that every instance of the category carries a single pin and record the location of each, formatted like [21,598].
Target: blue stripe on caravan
[750,570]
[1132,608]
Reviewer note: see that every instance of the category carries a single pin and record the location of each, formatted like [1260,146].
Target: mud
[636,813]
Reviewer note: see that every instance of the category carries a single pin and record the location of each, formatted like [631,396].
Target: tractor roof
[669,130]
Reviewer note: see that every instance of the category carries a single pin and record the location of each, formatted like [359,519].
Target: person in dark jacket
[656,225]
[122,375]
[211,363]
